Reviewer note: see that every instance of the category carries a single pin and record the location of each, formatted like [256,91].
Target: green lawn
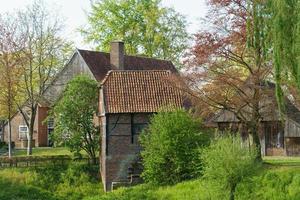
[281,160]
[43,151]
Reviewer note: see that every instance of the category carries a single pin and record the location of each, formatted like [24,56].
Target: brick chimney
[117,54]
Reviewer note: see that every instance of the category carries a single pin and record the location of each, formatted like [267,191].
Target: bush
[228,160]
[171,147]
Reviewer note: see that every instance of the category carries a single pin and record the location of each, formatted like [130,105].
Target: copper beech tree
[228,67]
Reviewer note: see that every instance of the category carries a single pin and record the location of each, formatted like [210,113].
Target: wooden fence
[36,161]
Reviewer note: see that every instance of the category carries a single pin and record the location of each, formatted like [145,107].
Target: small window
[23,130]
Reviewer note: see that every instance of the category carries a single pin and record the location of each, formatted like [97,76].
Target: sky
[74,13]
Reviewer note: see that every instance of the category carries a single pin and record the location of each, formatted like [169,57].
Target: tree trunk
[31,129]
[256,140]
[9,139]
[29,149]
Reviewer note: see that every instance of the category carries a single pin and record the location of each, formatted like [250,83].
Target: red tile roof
[99,63]
[139,91]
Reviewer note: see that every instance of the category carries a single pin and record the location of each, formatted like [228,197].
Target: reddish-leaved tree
[228,67]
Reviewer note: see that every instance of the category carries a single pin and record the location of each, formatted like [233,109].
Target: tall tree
[12,59]
[145,26]
[229,62]
[47,52]
[74,114]
[285,34]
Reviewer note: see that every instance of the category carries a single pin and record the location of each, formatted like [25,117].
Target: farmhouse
[92,63]
[279,135]
[127,101]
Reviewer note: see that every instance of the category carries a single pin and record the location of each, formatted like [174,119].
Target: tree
[146,28]
[229,62]
[285,34]
[74,114]
[47,52]
[171,146]
[12,60]
[227,161]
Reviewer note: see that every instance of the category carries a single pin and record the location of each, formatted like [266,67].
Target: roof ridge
[126,55]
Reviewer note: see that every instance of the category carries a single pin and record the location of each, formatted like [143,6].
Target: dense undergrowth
[69,182]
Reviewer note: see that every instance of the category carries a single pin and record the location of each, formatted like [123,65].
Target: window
[50,131]
[23,130]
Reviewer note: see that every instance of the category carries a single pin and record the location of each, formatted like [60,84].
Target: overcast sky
[74,12]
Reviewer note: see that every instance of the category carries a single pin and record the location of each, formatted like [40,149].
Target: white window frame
[23,132]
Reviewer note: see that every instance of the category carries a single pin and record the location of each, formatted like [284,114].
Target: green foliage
[171,147]
[265,184]
[145,26]
[144,191]
[285,42]
[228,160]
[74,114]
[15,191]
[68,182]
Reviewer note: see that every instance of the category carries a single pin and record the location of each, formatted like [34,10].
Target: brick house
[92,63]
[127,100]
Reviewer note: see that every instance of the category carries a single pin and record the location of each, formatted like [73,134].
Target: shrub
[228,160]
[171,147]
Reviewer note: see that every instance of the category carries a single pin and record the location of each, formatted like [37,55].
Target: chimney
[117,54]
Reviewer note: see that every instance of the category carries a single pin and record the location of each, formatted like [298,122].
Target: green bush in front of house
[171,146]
[227,161]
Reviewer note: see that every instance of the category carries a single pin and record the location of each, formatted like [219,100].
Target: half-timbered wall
[120,145]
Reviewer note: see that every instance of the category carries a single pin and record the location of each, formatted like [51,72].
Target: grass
[15,191]
[69,182]
[278,179]
[282,160]
[43,151]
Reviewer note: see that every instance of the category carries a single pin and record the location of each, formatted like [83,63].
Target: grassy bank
[278,179]
[74,181]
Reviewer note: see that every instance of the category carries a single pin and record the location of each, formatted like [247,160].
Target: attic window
[23,131]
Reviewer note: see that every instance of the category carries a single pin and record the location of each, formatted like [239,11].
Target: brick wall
[120,146]
[40,130]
